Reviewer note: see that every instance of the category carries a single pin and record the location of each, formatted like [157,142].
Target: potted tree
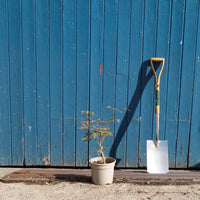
[102,167]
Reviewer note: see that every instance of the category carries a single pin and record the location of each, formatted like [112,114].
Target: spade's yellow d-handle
[157,82]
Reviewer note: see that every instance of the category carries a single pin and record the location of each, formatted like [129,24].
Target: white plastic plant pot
[102,174]
[157,157]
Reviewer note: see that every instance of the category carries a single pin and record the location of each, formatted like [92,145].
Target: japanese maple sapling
[98,129]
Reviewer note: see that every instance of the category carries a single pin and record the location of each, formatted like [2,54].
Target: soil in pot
[108,160]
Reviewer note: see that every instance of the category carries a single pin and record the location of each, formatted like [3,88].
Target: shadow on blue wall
[145,74]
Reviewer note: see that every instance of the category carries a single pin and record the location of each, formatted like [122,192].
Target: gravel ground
[122,191]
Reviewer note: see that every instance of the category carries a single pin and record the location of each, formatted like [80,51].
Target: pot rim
[91,161]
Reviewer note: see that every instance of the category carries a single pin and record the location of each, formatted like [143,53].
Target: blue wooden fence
[59,57]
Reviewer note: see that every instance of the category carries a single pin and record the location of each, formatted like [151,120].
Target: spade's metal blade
[157,157]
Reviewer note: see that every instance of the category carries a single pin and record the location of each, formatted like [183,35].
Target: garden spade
[157,151]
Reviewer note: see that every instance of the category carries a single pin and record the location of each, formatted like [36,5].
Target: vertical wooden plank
[162,50]
[97,19]
[5,132]
[189,48]
[110,37]
[194,150]
[16,81]
[176,41]
[69,81]
[109,67]
[134,87]
[56,81]
[122,78]
[29,66]
[83,55]
[108,100]
[147,111]
[121,120]
[43,71]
